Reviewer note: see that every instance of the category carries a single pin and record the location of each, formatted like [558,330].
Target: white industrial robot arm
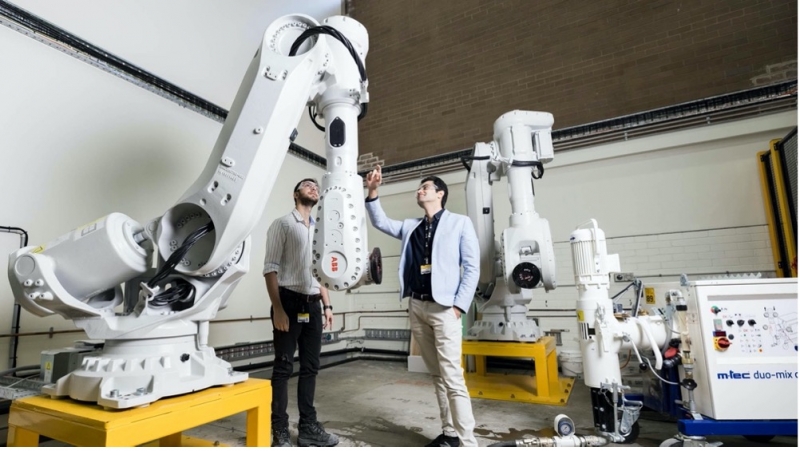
[523,259]
[521,145]
[482,173]
[203,240]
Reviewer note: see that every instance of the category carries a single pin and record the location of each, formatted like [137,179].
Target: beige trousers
[438,333]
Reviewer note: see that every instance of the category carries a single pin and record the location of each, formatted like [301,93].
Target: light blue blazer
[455,246]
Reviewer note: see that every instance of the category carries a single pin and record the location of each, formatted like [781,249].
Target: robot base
[139,372]
[489,329]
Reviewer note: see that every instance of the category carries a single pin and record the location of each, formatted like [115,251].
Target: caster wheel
[633,435]
[672,442]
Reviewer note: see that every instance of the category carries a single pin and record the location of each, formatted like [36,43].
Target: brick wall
[442,72]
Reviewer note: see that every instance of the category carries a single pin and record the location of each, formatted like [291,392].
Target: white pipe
[653,345]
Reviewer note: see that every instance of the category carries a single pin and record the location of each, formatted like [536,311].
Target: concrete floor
[380,403]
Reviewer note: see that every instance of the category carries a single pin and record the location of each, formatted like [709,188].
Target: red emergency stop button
[721,343]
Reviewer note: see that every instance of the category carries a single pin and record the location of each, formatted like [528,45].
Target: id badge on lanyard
[303,316]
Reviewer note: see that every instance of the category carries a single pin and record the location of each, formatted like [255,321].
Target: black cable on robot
[330,31]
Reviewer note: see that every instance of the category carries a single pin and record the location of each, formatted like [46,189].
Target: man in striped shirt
[300,310]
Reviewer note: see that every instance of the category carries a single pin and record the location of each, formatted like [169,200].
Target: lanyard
[428,243]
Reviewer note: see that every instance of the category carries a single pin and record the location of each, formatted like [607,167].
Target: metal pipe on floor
[568,441]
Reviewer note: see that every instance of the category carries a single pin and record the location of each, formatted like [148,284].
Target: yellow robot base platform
[544,387]
[82,424]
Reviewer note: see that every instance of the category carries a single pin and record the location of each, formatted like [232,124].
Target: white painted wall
[79,143]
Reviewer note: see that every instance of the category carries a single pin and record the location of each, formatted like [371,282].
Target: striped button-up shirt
[289,247]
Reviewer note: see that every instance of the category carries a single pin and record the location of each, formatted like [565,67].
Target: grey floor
[380,403]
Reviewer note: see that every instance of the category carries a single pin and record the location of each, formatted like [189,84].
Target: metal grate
[244,351]
[15,387]
[387,334]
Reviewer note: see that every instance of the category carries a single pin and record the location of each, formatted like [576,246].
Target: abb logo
[334,264]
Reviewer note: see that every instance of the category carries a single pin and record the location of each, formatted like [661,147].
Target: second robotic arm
[523,260]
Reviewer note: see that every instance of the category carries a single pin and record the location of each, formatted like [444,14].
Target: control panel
[768,329]
[744,345]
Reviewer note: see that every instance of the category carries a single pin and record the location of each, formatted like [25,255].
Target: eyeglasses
[309,185]
[428,187]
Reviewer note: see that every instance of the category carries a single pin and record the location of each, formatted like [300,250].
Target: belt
[289,294]
[422,297]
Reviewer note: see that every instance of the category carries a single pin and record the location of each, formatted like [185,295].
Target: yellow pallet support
[544,387]
[83,424]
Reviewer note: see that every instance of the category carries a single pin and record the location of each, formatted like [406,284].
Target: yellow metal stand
[545,387]
[83,424]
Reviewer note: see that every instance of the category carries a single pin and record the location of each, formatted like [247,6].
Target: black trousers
[307,338]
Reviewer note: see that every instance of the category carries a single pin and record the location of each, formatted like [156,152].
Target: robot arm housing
[525,259]
[204,236]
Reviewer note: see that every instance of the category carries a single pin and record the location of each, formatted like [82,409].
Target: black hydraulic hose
[16,309]
[23,235]
[535,163]
[468,166]
[330,31]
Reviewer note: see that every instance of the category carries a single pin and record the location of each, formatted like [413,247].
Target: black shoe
[443,440]
[280,437]
[313,434]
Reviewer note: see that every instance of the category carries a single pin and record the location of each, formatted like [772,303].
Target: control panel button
[721,343]
[740,322]
[751,322]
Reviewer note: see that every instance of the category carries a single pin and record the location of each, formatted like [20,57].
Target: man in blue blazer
[435,250]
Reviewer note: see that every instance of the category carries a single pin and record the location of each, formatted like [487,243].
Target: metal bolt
[258,130]
[114,393]
[140,391]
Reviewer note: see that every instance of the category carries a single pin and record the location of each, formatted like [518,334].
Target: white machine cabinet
[744,340]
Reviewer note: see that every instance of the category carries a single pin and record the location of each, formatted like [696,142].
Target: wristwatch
[327,307]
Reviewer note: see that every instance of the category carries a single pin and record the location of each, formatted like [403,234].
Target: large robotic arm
[158,345]
[523,259]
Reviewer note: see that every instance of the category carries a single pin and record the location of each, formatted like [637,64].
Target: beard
[306,201]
